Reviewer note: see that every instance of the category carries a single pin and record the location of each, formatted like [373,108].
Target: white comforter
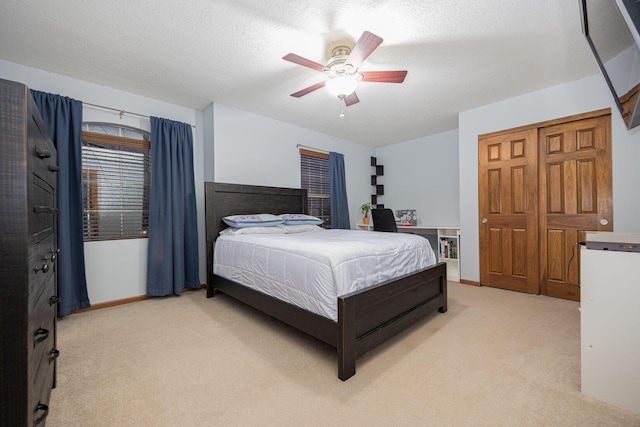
[311,269]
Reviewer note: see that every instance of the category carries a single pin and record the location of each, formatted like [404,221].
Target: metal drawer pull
[54,300]
[40,335]
[44,268]
[54,168]
[53,355]
[41,407]
[44,209]
[53,256]
[42,153]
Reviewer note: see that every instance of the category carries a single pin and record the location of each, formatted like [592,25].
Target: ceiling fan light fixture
[342,85]
[342,69]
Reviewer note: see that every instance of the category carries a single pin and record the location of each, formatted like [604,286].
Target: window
[314,177]
[116,176]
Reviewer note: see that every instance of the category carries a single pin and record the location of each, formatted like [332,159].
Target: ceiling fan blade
[367,43]
[351,99]
[384,76]
[307,90]
[297,59]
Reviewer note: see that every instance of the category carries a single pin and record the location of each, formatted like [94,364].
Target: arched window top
[116,130]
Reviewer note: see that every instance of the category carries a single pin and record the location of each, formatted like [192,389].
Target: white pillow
[231,231]
[254,220]
[300,219]
[301,228]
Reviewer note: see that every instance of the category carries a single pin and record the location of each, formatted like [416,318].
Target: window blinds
[115,190]
[314,176]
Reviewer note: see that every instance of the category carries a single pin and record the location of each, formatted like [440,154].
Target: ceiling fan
[342,69]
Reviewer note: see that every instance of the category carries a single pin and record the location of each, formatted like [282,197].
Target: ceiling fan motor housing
[336,65]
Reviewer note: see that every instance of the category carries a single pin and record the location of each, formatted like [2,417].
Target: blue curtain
[173,232]
[339,204]
[63,118]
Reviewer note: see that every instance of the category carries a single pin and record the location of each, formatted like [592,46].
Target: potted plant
[364,209]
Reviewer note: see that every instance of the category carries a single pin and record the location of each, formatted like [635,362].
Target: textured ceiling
[459,54]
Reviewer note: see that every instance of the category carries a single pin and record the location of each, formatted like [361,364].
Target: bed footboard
[368,318]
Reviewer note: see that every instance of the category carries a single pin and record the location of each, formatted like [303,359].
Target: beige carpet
[496,358]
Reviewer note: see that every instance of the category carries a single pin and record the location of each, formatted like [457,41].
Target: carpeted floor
[496,358]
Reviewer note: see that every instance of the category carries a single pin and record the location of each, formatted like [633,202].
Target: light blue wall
[422,174]
[252,149]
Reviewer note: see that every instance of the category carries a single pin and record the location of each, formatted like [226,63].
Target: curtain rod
[121,112]
[311,148]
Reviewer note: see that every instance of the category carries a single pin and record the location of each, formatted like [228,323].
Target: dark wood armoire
[28,253]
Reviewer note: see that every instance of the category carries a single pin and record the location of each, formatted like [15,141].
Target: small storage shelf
[378,190]
[445,242]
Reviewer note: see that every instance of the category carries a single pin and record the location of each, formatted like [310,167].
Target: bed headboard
[237,199]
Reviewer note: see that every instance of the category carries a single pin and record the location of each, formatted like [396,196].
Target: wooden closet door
[508,179]
[576,196]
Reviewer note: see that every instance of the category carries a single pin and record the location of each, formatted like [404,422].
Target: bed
[365,318]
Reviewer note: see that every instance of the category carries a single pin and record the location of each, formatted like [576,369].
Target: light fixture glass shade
[341,86]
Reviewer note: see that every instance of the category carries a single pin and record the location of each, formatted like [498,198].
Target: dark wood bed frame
[365,318]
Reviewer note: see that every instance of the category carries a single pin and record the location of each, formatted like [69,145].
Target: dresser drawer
[42,259]
[41,390]
[41,338]
[42,156]
[42,356]
[41,209]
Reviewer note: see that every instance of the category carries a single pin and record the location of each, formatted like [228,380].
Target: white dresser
[610,319]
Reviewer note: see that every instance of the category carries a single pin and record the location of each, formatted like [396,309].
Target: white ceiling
[459,54]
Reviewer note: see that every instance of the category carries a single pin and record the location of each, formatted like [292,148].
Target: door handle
[485,220]
[604,221]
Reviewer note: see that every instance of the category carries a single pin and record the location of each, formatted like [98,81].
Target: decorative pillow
[255,220]
[300,219]
[300,228]
[251,230]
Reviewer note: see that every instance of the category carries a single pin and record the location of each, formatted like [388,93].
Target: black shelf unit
[378,190]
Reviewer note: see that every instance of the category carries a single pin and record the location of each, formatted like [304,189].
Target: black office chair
[383,220]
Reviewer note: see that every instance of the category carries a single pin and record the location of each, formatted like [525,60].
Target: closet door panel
[508,211]
[575,174]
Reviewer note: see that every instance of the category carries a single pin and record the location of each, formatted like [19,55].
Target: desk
[444,240]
